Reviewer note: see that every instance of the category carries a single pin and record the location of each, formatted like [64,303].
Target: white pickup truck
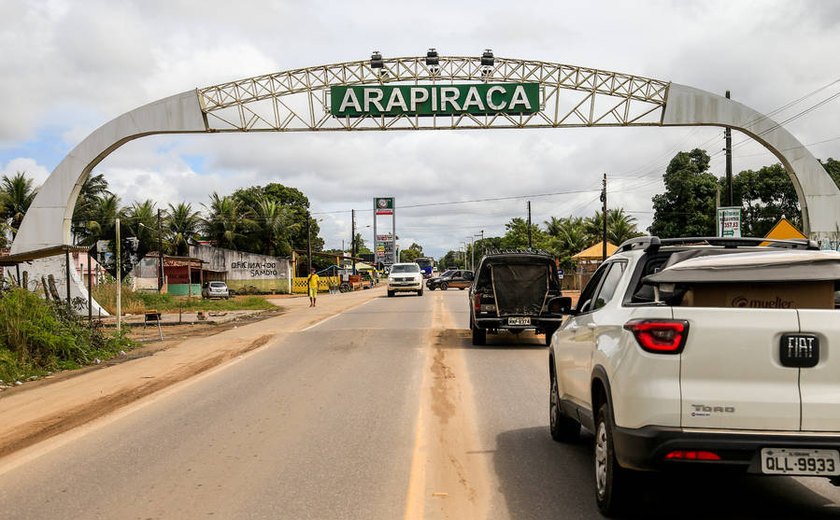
[712,353]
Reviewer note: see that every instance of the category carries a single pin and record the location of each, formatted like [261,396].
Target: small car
[453,278]
[515,290]
[215,290]
[405,277]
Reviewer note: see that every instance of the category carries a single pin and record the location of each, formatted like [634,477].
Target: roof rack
[651,244]
[526,251]
[734,242]
[648,243]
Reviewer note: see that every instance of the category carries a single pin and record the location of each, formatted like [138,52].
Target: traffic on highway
[378,407]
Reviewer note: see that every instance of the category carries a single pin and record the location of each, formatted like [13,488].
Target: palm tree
[16,195]
[224,222]
[620,226]
[271,226]
[141,220]
[570,235]
[181,227]
[102,213]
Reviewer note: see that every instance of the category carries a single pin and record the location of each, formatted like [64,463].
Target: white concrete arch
[298,100]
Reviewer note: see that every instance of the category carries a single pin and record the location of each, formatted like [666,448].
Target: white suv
[712,353]
[405,277]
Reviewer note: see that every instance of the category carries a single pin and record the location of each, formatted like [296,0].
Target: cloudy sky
[70,66]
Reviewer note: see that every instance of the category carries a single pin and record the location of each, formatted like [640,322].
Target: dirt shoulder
[42,409]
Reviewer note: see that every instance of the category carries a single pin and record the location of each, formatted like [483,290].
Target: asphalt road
[383,412]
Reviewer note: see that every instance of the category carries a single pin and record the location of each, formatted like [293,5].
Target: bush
[139,302]
[37,336]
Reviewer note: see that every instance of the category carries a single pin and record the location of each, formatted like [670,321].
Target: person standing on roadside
[312,283]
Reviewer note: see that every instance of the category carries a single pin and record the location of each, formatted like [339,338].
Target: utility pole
[160,254]
[727,136]
[119,276]
[353,237]
[604,218]
[308,243]
[530,244]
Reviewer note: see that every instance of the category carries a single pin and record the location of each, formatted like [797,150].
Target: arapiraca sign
[435,100]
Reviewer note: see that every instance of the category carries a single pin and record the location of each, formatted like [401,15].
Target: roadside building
[244,272]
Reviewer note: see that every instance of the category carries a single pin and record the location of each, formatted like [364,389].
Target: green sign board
[729,221]
[435,100]
[383,205]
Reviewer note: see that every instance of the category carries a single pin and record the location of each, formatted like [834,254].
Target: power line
[472,201]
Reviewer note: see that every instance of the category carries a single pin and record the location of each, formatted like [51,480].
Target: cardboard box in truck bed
[787,295]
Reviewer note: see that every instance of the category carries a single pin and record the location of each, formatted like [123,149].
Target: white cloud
[72,66]
[38,173]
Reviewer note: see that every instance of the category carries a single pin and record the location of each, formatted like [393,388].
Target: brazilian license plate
[792,461]
[519,321]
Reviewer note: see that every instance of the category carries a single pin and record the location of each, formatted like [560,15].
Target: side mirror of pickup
[560,305]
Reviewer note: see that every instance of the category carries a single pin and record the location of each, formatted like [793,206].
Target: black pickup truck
[515,291]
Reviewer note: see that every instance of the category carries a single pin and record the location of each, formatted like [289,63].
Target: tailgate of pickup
[731,376]
[820,384]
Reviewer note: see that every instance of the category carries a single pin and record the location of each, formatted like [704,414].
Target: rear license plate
[790,461]
[519,321]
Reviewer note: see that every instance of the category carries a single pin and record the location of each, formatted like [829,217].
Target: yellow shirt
[313,281]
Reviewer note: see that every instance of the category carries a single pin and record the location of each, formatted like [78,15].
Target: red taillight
[659,336]
[476,302]
[692,455]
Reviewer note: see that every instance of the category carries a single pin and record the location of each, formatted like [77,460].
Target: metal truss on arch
[299,100]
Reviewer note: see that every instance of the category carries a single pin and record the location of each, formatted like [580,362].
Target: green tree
[832,167]
[765,196]
[361,247]
[16,195]
[93,189]
[454,259]
[181,227]
[687,208]
[295,207]
[411,253]
[516,236]
[567,237]
[270,225]
[225,223]
[101,213]
[140,219]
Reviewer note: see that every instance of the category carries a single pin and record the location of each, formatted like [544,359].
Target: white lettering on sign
[473,99]
[397,100]
[490,92]
[519,98]
[418,95]
[373,97]
[350,100]
[449,95]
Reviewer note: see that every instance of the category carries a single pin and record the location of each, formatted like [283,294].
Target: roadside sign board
[384,205]
[729,222]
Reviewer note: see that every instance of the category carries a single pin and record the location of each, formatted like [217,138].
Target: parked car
[515,291]
[702,355]
[215,290]
[405,277]
[456,279]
